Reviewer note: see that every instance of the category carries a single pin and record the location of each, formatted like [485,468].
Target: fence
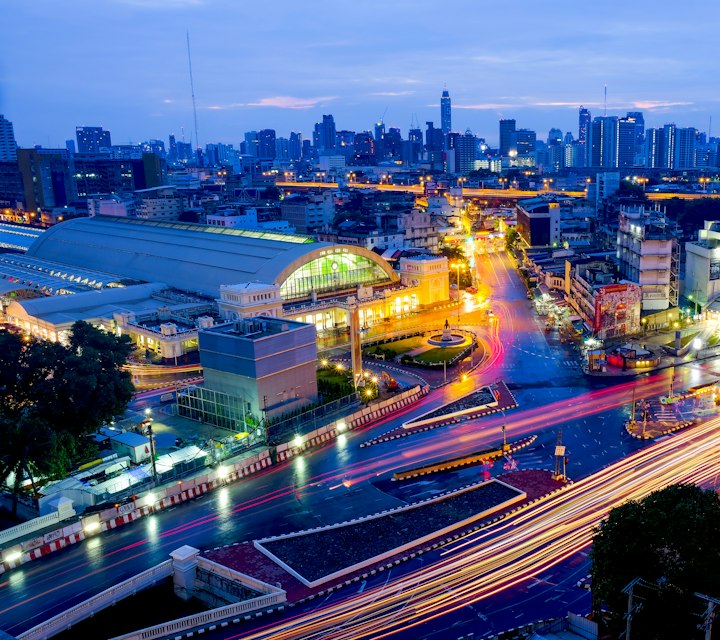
[97,603]
[311,420]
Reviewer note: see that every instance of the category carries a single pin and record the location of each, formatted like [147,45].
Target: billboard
[617,310]
[714,269]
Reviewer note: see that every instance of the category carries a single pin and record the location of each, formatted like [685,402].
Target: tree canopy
[51,395]
[669,540]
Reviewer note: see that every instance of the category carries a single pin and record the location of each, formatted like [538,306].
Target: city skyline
[390,62]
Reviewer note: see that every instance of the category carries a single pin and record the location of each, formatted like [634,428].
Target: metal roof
[18,237]
[189,257]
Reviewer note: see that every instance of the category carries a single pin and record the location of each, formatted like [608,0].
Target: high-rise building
[668,148]
[639,119]
[172,150]
[266,144]
[153,146]
[555,136]
[653,148]
[685,142]
[344,143]
[282,149]
[47,176]
[434,139]
[92,139]
[445,113]
[70,145]
[295,146]
[602,141]
[8,147]
[380,140]
[393,144]
[324,134]
[584,120]
[364,145]
[250,145]
[465,152]
[625,136]
[524,142]
[507,137]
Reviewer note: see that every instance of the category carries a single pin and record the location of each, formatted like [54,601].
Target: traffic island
[476,404]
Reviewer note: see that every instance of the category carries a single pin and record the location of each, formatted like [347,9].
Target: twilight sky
[122,64]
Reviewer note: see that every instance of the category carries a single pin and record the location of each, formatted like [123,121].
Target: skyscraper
[92,139]
[583,124]
[685,139]
[295,146]
[8,147]
[324,134]
[637,116]
[266,144]
[465,152]
[445,113]
[625,137]
[601,142]
[507,137]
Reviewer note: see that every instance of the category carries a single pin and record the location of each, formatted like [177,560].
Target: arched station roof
[191,257]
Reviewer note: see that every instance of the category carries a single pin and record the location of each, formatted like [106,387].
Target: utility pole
[632,607]
[709,614]
[559,458]
[632,418]
[152,453]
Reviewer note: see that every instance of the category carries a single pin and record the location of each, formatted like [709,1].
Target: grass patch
[439,354]
[684,340]
[713,340]
[398,347]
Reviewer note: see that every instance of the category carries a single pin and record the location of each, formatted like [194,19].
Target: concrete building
[47,178]
[268,362]
[308,212]
[111,205]
[702,265]
[159,203]
[608,308]
[92,139]
[421,230]
[649,255]
[538,222]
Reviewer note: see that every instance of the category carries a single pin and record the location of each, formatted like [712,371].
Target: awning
[574,318]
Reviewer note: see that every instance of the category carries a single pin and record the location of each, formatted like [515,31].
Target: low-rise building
[268,362]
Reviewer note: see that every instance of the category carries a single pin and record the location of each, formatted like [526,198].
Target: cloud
[168,101]
[162,4]
[486,105]
[658,104]
[279,102]
[392,93]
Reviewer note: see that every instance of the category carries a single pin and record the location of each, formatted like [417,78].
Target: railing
[32,525]
[99,602]
[209,617]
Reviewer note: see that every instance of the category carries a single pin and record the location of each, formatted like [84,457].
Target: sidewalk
[656,344]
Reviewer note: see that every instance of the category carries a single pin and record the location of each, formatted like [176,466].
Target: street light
[457,266]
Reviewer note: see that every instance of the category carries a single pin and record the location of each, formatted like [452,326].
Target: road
[520,547]
[500,194]
[344,480]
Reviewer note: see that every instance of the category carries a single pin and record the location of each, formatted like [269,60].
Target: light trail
[519,547]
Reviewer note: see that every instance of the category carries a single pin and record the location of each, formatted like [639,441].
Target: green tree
[511,238]
[670,541]
[52,395]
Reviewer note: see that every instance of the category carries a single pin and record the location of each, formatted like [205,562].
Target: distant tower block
[445,113]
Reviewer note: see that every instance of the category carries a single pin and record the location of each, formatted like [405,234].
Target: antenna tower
[605,100]
[192,90]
